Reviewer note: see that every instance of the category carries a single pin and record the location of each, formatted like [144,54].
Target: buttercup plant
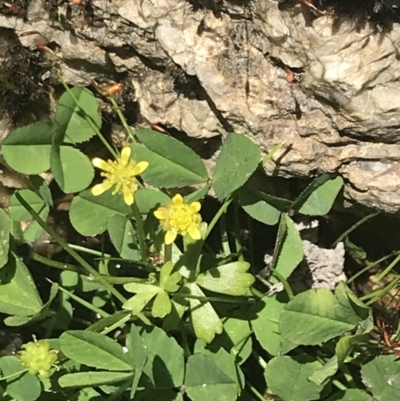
[179,217]
[173,319]
[120,173]
[38,358]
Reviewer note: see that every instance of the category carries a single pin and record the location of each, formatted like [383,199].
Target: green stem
[255,391]
[123,119]
[88,118]
[12,375]
[216,217]
[167,253]
[354,226]
[67,248]
[285,283]
[269,155]
[122,388]
[226,249]
[370,266]
[140,232]
[238,243]
[251,245]
[79,270]
[84,303]
[120,322]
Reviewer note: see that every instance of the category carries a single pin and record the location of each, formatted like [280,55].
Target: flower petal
[160,213]
[170,237]
[125,155]
[194,232]
[195,207]
[101,164]
[177,200]
[101,188]
[139,168]
[128,196]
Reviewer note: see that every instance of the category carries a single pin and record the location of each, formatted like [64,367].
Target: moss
[22,89]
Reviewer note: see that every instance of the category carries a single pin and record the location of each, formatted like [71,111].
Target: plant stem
[117,324]
[67,248]
[84,303]
[226,249]
[255,392]
[123,119]
[140,232]
[216,217]
[354,226]
[238,243]
[88,118]
[269,155]
[167,253]
[12,375]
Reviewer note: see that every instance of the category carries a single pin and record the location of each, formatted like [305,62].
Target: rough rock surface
[320,268]
[211,67]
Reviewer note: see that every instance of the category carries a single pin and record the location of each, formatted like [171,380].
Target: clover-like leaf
[206,322]
[162,305]
[231,279]
[169,282]
[138,302]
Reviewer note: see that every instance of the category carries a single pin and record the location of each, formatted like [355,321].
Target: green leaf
[27,149]
[168,280]
[138,302]
[224,360]
[72,170]
[197,195]
[89,379]
[351,394]
[94,349]
[206,322]
[230,279]
[318,197]
[266,325]
[5,226]
[288,251]
[147,199]
[171,163]
[382,377]
[137,352]
[236,339]
[237,161]
[319,316]
[44,312]
[89,213]
[293,385]
[259,206]
[206,381]
[22,388]
[42,189]
[19,213]
[18,293]
[162,305]
[165,364]
[72,119]
[123,236]
[17,210]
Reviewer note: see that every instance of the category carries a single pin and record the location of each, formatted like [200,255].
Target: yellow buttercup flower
[179,217]
[38,358]
[121,173]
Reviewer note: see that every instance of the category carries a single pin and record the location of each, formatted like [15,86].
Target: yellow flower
[179,217]
[38,358]
[121,173]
